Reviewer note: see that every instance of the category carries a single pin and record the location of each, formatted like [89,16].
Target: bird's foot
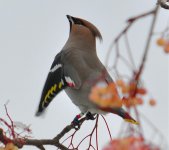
[76,121]
[90,116]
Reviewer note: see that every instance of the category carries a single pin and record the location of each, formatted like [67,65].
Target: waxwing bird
[75,68]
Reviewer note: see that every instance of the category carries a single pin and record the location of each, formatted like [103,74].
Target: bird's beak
[70,18]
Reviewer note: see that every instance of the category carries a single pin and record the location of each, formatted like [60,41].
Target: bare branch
[39,143]
[55,141]
[144,58]
[130,22]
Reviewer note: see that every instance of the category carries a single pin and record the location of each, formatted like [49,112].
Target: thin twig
[129,51]
[12,125]
[144,58]
[55,140]
[107,127]
[130,22]
[97,144]
[143,61]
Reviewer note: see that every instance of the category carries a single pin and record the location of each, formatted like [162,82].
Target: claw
[90,116]
[76,124]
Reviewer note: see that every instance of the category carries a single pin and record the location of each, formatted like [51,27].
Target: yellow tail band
[132,121]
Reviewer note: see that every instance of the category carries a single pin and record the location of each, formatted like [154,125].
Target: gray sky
[33,32]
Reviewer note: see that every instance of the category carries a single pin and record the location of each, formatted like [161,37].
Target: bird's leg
[90,116]
[76,120]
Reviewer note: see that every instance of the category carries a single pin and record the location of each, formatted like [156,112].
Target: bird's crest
[87,24]
[92,28]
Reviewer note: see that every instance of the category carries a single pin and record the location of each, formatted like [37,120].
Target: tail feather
[129,119]
[122,113]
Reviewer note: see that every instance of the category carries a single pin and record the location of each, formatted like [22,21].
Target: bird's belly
[81,99]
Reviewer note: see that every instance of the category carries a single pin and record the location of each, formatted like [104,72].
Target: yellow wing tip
[132,121]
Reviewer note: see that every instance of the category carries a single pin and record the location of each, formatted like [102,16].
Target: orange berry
[128,102]
[152,102]
[10,146]
[120,83]
[139,101]
[166,48]
[125,89]
[133,101]
[161,42]
[106,96]
[141,91]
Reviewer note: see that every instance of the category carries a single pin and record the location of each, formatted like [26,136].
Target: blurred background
[33,32]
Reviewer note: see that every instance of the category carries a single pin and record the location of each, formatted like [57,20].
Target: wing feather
[55,83]
[63,73]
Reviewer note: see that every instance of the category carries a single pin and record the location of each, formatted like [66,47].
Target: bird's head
[83,27]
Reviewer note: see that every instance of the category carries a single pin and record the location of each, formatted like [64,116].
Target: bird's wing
[57,80]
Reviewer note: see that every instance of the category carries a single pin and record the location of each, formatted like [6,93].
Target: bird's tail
[122,113]
[129,119]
